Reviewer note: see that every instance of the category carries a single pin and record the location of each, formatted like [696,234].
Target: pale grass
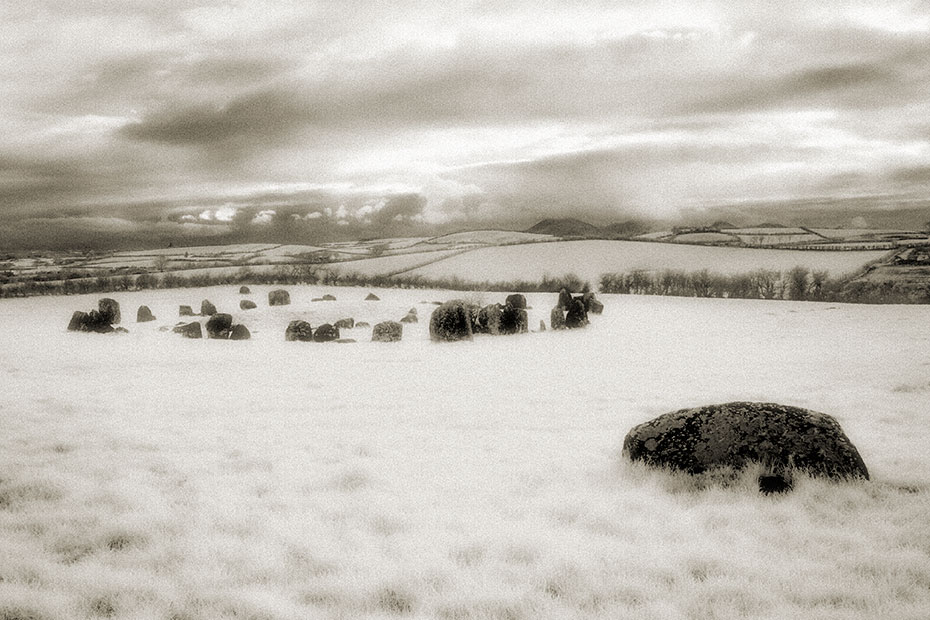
[153,477]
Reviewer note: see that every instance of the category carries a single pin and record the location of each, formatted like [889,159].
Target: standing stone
[513,320]
[410,318]
[451,321]
[78,321]
[239,332]
[109,310]
[348,323]
[516,300]
[372,297]
[247,304]
[244,290]
[185,311]
[576,316]
[279,297]
[326,333]
[735,434]
[219,326]
[565,299]
[189,330]
[206,308]
[542,325]
[489,320]
[557,318]
[591,303]
[299,331]
[387,331]
[144,315]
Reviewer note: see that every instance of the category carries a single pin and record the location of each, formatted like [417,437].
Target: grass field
[148,476]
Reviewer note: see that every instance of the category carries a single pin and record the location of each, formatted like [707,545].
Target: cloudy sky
[189,121]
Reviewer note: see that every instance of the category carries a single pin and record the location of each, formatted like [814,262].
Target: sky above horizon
[198,120]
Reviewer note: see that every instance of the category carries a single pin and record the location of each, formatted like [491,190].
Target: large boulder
[565,299]
[78,321]
[387,331]
[489,320]
[516,300]
[144,314]
[513,320]
[326,333]
[780,437]
[247,304]
[591,303]
[219,325]
[372,297]
[239,332]
[244,290]
[576,315]
[185,311]
[451,321]
[347,323]
[93,321]
[109,311]
[557,318]
[299,331]
[189,330]
[207,308]
[279,297]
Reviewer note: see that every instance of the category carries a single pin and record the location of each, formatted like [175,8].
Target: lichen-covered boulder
[452,321]
[185,311]
[557,318]
[219,326]
[387,331]
[488,320]
[326,333]
[298,331]
[780,437]
[189,330]
[372,297]
[239,332]
[244,290]
[109,311]
[347,323]
[514,320]
[516,300]
[207,308]
[565,299]
[576,316]
[247,304]
[279,297]
[592,304]
[144,315]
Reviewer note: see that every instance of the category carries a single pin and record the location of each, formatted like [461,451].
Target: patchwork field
[144,475]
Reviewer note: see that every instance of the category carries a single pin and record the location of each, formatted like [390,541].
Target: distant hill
[571,227]
[565,227]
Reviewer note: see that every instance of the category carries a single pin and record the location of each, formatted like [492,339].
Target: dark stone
[565,299]
[317,299]
[451,321]
[185,311]
[279,297]
[298,330]
[514,320]
[189,330]
[591,304]
[489,320]
[557,318]
[247,304]
[516,300]
[144,314]
[412,311]
[78,320]
[348,323]
[328,298]
[410,318]
[346,341]
[362,324]
[775,483]
[780,437]
[240,332]
[121,330]
[109,311]
[576,316]
[206,308]
[542,325]
[219,326]
[387,331]
[372,297]
[244,290]
[326,333]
